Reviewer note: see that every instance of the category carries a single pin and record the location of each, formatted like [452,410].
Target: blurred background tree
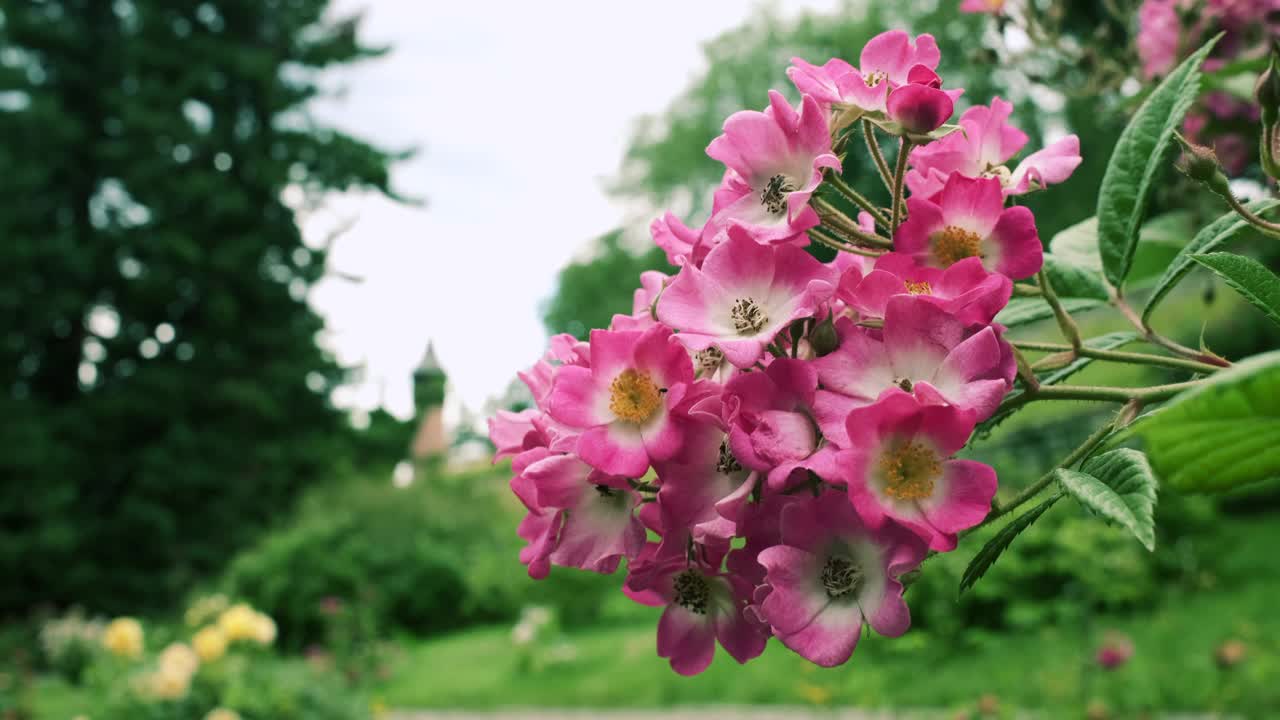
[666,165]
[164,395]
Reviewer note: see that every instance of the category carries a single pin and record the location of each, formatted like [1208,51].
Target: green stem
[837,221]
[1155,338]
[899,174]
[857,198]
[1100,393]
[1270,228]
[873,147]
[1036,487]
[823,236]
[1120,356]
[1065,323]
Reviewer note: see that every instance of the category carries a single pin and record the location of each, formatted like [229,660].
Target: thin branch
[1065,323]
[899,175]
[873,147]
[857,198]
[1119,356]
[837,221]
[1269,228]
[1151,336]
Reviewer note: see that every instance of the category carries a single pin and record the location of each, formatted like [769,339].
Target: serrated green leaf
[1222,434]
[1073,280]
[1023,310]
[1110,341]
[1211,237]
[1248,277]
[1119,486]
[995,547]
[1140,156]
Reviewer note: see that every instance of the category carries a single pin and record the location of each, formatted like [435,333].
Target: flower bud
[1201,164]
[823,338]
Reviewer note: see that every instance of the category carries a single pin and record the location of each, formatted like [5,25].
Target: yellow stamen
[634,397]
[919,288]
[953,244]
[909,471]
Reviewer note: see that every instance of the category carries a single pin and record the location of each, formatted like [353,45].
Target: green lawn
[1173,667]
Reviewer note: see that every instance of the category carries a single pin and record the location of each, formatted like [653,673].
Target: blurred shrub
[176,677]
[386,552]
[438,555]
[67,643]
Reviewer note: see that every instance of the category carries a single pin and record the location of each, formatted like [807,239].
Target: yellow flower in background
[205,609]
[123,637]
[168,684]
[180,659]
[210,643]
[264,629]
[222,714]
[238,622]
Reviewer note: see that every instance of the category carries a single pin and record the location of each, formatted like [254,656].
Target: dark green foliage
[398,554]
[590,293]
[144,164]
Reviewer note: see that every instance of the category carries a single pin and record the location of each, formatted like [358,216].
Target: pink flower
[1158,31]
[987,143]
[920,106]
[968,219]
[771,426]
[744,294]
[702,606]
[991,7]
[704,485]
[830,574]
[1115,651]
[674,237]
[964,289]
[622,401]
[901,469]
[885,62]
[595,526]
[508,431]
[776,158]
[922,350]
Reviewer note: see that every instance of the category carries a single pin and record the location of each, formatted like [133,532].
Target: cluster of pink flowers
[1170,29]
[770,440]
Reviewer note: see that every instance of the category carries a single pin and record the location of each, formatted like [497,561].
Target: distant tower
[431,439]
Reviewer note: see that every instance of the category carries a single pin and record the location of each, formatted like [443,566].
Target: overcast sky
[520,111]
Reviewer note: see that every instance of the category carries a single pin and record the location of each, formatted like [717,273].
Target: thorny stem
[1100,393]
[857,198]
[1155,338]
[899,174]
[1270,228]
[837,221]
[1065,323]
[869,132]
[823,236]
[1121,356]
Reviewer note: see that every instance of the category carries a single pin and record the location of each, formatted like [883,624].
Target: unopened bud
[1201,164]
[1269,150]
[823,338]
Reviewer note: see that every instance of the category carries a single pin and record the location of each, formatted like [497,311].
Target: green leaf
[1248,277]
[1120,486]
[1070,280]
[1078,245]
[1023,310]
[1139,157]
[1222,434]
[1110,341]
[1213,236]
[995,547]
